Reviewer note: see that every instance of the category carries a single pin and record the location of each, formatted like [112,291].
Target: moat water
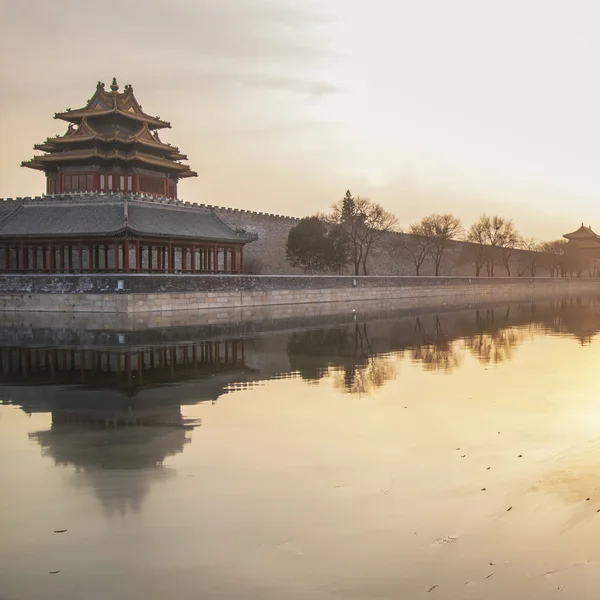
[452,452]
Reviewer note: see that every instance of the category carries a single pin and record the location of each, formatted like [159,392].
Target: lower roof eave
[5,238]
[58,237]
[144,234]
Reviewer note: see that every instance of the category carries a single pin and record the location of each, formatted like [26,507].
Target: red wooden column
[61,258]
[149,257]
[193,265]
[138,256]
[126,256]
[71,264]
[241,259]
[35,260]
[96,257]
[51,257]
[20,256]
[79,256]
[116,254]
[171,258]
[234,252]
[225,261]
[216,259]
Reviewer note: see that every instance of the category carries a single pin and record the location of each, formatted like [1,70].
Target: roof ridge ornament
[114,86]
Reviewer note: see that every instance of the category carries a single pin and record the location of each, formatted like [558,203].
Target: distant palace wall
[387,259]
[162,293]
[266,255]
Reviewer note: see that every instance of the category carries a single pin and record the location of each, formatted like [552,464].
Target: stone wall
[266,255]
[387,259]
[142,293]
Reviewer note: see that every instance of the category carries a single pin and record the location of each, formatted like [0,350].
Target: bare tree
[441,229]
[417,244]
[477,252]
[500,235]
[552,257]
[365,223]
[531,255]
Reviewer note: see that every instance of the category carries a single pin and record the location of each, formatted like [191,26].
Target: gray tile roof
[94,214]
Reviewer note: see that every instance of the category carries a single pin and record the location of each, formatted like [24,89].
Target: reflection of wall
[268,354]
[204,370]
[125,369]
[435,341]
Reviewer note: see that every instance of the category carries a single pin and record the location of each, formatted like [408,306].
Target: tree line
[344,239]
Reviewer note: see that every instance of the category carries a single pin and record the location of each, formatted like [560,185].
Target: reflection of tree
[346,351]
[311,352]
[496,341]
[576,316]
[117,463]
[362,378]
[434,350]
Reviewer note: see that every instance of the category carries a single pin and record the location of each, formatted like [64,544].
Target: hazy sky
[462,106]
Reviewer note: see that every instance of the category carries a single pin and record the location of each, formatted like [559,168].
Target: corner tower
[110,145]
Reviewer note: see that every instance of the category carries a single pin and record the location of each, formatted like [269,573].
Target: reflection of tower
[117,463]
[116,413]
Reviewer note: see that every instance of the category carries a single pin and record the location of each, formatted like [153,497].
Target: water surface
[450,453]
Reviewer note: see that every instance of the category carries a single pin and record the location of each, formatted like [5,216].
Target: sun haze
[461,107]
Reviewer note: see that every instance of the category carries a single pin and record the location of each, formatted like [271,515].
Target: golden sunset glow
[463,106]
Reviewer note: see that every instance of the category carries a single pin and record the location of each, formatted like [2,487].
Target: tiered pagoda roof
[112,129]
[584,238]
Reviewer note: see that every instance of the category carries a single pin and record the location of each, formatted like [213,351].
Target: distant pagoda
[584,239]
[111,145]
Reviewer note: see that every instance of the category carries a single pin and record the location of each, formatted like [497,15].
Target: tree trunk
[417,269]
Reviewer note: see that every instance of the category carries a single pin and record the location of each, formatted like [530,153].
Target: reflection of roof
[95,214]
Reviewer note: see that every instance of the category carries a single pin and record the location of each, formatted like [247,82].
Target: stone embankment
[135,293]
